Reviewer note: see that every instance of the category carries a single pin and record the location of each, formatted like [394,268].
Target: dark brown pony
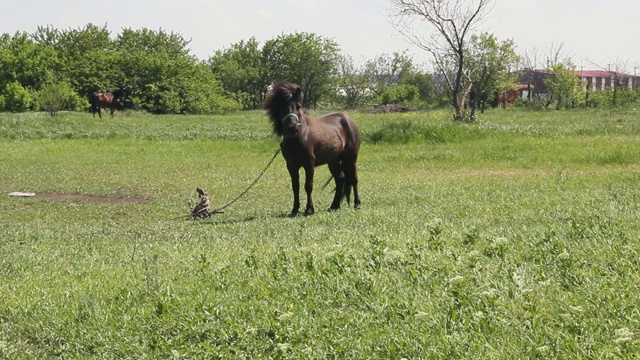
[333,139]
[105,100]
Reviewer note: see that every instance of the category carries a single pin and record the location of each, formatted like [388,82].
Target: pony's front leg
[295,186]
[308,188]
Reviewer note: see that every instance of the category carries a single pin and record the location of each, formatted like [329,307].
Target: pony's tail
[346,188]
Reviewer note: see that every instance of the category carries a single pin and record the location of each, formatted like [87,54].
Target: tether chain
[250,186]
[201,211]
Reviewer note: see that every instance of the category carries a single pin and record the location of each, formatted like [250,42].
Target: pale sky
[593,31]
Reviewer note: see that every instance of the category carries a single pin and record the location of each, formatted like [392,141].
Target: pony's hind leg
[339,178]
[351,175]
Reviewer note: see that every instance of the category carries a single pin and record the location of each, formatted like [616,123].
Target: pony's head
[284,108]
[120,97]
[119,94]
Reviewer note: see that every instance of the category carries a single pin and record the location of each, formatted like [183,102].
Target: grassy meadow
[517,237]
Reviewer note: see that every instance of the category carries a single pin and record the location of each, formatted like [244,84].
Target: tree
[564,86]
[548,58]
[449,23]
[536,58]
[385,79]
[396,79]
[85,56]
[25,62]
[202,92]
[161,76]
[306,59]
[242,72]
[355,83]
[488,66]
[390,69]
[425,84]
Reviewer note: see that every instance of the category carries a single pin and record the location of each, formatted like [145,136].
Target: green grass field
[514,238]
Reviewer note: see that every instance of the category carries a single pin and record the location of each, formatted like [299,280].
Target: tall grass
[516,237]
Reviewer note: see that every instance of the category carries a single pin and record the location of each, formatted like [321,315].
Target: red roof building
[602,79]
[595,79]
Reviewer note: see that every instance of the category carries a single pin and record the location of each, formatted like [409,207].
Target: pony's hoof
[293,214]
[309,212]
[333,208]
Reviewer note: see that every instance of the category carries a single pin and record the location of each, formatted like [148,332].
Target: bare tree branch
[441,27]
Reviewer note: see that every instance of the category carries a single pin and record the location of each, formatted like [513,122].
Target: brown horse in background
[105,100]
[333,139]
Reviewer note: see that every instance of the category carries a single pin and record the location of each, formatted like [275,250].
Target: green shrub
[221,104]
[15,98]
[400,94]
[168,102]
[54,97]
[608,98]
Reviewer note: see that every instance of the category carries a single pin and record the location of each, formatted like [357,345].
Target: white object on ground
[22,194]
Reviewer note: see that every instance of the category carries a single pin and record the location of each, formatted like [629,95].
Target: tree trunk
[458,85]
[473,103]
[457,116]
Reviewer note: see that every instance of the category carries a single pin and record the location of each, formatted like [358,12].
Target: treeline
[61,68]
[53,69]
[246,69]
[154,67]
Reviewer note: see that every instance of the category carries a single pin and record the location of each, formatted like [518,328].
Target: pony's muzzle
[291,123]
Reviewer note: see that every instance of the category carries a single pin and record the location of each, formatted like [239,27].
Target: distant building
[595,80]
[599,80]
[535,78]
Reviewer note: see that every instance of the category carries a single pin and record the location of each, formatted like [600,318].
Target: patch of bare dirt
[105,199]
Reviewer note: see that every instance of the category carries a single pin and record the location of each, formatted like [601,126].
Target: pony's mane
[279,98]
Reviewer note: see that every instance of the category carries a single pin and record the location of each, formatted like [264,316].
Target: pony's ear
[298,96]
[200,192]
